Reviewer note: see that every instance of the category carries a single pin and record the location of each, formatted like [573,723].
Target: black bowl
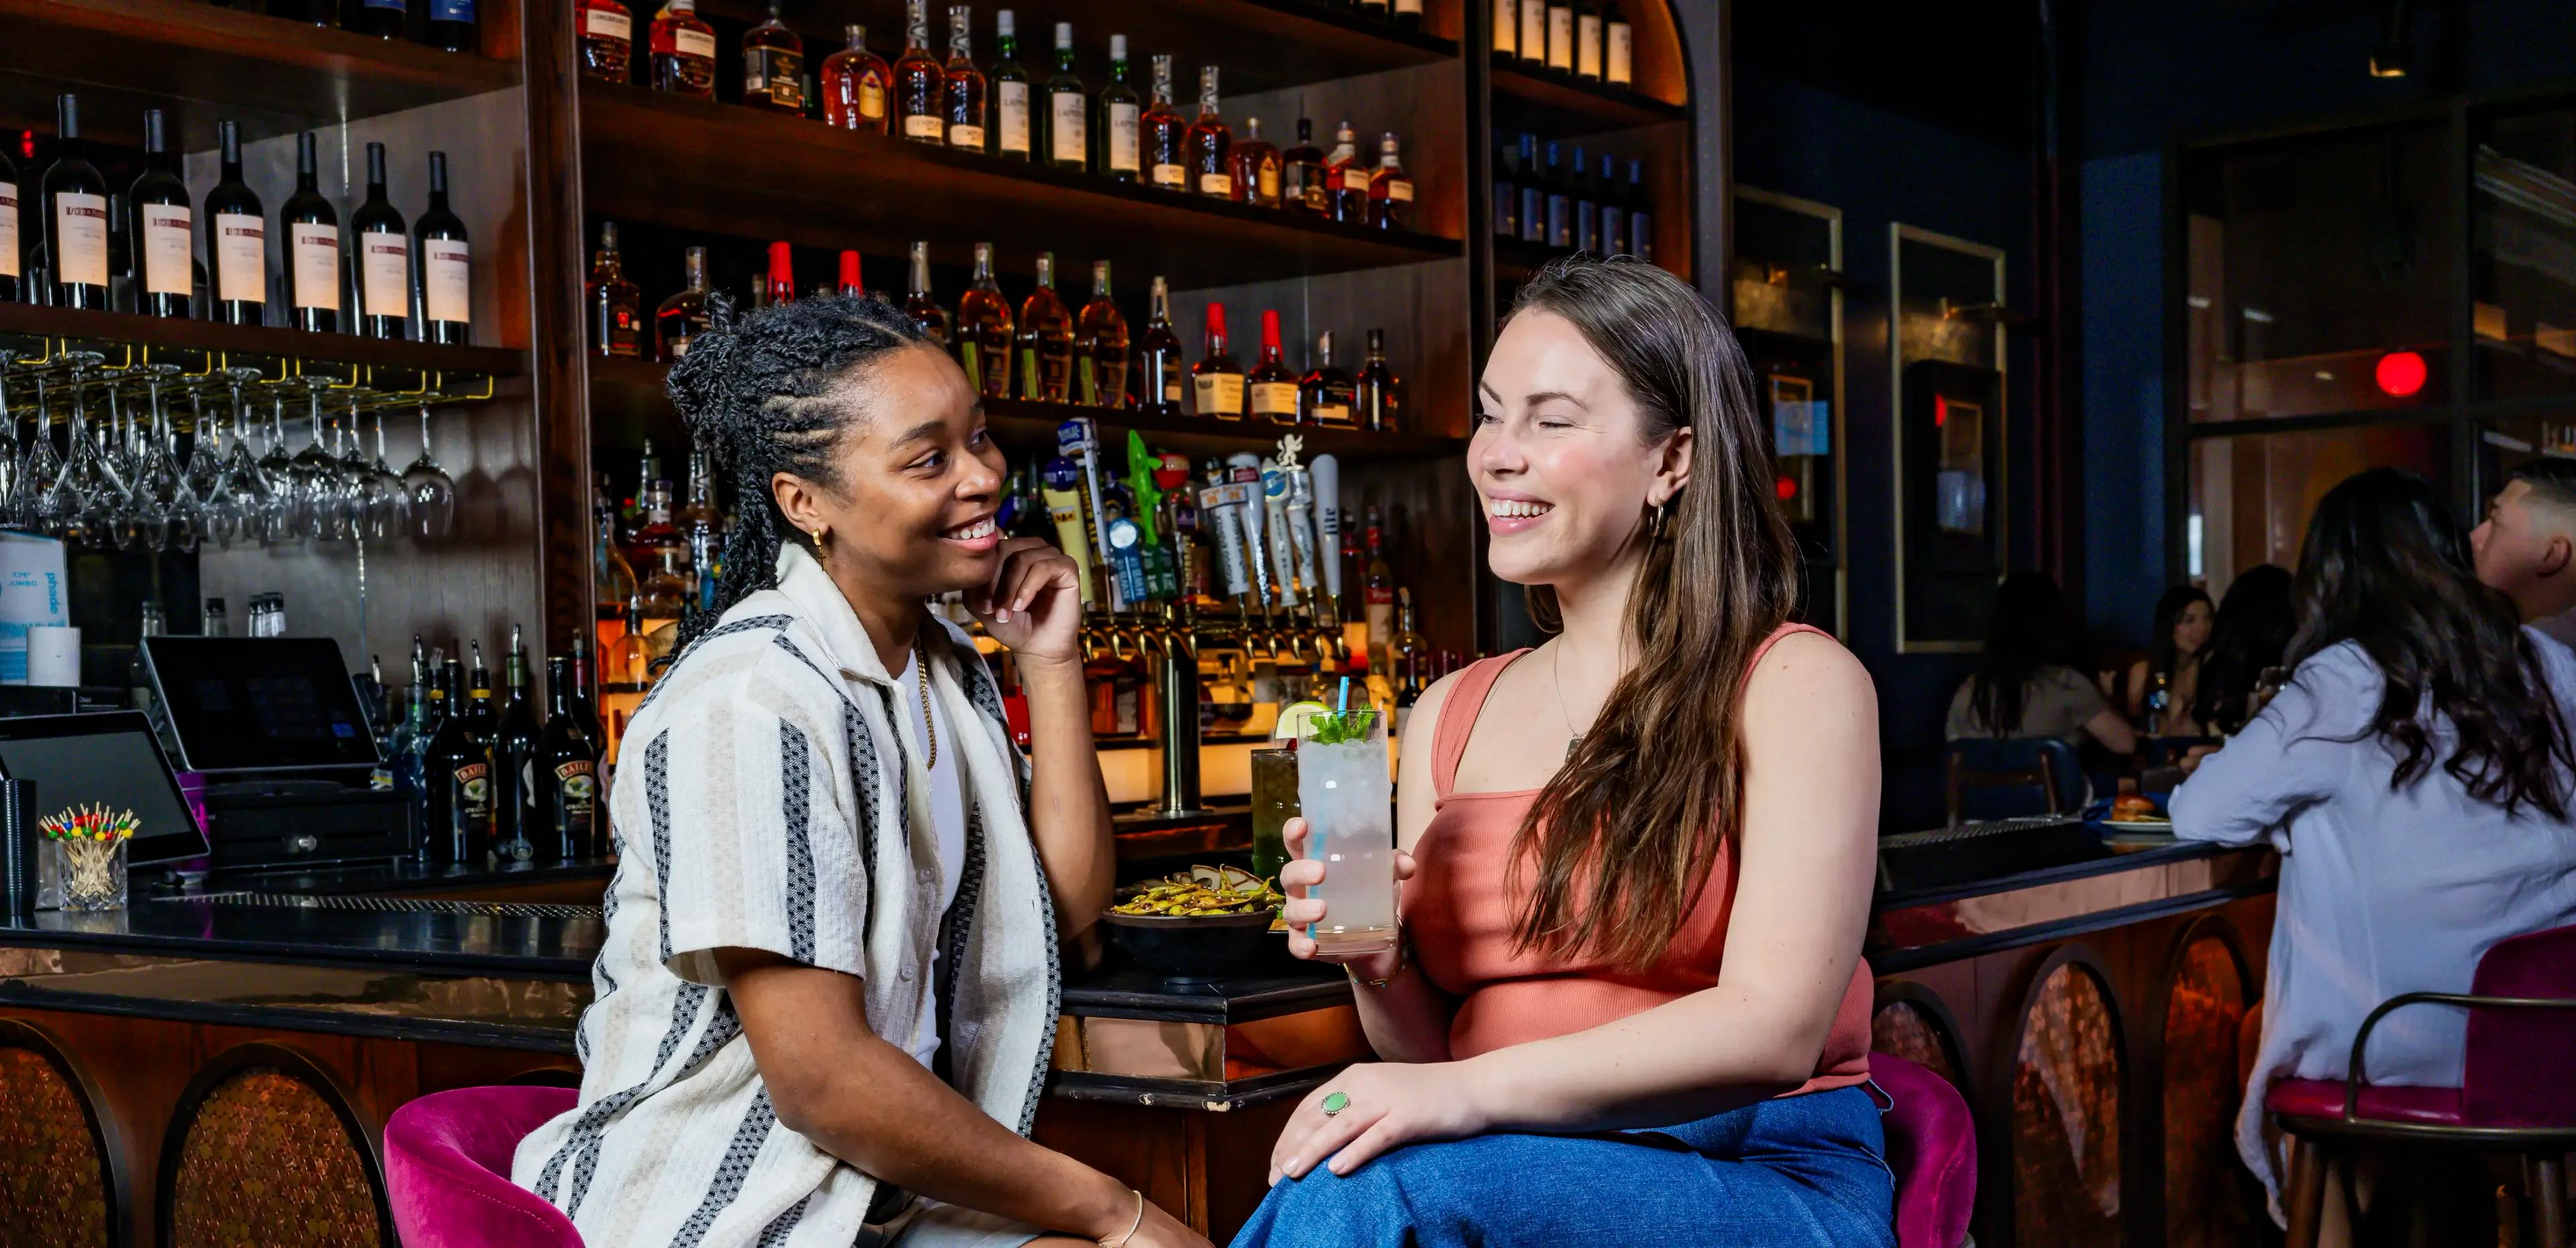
[1192,947]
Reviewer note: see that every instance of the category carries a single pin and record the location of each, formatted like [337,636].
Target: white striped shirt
[770,799]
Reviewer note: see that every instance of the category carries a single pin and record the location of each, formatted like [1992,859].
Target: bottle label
[1506,27]
[1122,138]
[1587,47]
[871,99]
[1220,394]
[447,282]
[1274,398]
[1355,177]
[384,274]
[970,137]
[578,784]
[1011,115]
[1267,182]
[778,74]
[80,237]
[1399,190]
[1216,184]
[923,126]
[451,10]
[608,24]
[1172,389]
[1413,7]
[1560,37]
[697,43]
[1619,69]
[1068,124]
[314,264]
[166,250]
[1533,29]
[473,797]
[1171,175]
[241,258]
[9,229]
[1332,414]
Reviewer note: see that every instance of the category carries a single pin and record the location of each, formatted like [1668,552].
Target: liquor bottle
[683,316]
[1045,339]
[1301,173]
[1533,35]
[457,768]
[1216,381]
[1560,201]
[585,695]
[481,716]
[236,239]
[1158,358]
[918,303]
[856,85]
[214,622]
[1010,82]
[612,576]
[1326,396]
[1587,40]
[1560,36]
[383,243]
[120,254]
[1587,204]
[1641,217]
[1408,14]
[1121,146]
[1378,593]
[984,330]
[312,231]
[1408,653]
[607,41]
[563,778]
[1618,45]
[1270,390]
[1254,165]
[1163,135]
[702,529]
[385,19]
[12,263]
[684,51]
[661,553]
[919,83]
[1533,185]
[780,284]
[1068,133]
[451,25]
[161,226]
[1614,217]
[961,91]
[446,265]
[1390,189]
[1507,31]
[1100,346]
[515,743]
[616,307]
[850,286]
[1348,177]
[1376,394]
[74,199]
[1207,141]
[773,66]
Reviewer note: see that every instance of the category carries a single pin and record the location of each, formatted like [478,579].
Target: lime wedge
[1297,719]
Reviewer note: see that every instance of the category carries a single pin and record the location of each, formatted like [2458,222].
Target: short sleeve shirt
[2057,702]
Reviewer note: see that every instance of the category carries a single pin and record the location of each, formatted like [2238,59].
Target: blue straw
[1345,706]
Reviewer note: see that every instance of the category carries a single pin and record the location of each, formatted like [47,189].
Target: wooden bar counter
[216,1068]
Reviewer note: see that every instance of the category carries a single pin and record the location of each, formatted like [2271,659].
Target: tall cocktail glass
[1344,793]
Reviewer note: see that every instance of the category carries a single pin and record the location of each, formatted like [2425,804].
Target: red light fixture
[1940,411]
[1786,488]
[2400,374]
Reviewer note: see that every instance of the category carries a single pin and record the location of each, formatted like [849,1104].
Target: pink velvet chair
[447,1170]
[1932,1147]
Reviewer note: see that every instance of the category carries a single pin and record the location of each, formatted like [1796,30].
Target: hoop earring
[1655,527]
[822,538]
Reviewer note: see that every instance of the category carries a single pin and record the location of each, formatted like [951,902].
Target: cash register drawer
[265,829]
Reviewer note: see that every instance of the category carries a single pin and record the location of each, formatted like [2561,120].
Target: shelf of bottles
[490,775]
[1576,58]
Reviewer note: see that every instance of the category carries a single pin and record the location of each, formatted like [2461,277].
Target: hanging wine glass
[387,503]
[38,466]
[8,438]
[317,496]
[284,519]
[163,481]
[237,504]
[433,492]
[64,510]
[205,449]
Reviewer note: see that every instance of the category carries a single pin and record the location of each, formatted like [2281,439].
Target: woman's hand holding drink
[1300,879]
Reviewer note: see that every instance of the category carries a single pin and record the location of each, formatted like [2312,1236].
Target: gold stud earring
[820,535]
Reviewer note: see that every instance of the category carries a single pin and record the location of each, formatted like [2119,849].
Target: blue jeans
[1801,1170]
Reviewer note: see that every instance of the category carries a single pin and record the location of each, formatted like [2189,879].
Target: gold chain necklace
[929,727]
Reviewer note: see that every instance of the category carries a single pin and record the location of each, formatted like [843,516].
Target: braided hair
[765,395]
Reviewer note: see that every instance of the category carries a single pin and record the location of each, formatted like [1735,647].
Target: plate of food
[1200,924]
[2130,814]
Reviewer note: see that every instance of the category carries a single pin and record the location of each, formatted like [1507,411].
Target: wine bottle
[1120,147]
[1617,67]
[1587,40]
[378,233]
[566,773]
[12,262]
[1641,216]
[446,265]
[236,239]
[75,217]
[451,25]
[1614,217]
[515,744]
[457,768]
[385,19]
[1010,84]
[312,231]
[585,694]
[1068,108]
[1376,392]
[164,233]
[1158,358]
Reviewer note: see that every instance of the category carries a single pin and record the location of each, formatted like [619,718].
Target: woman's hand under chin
[1034,604]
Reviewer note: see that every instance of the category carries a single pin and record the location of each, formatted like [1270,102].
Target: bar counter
[2052,998]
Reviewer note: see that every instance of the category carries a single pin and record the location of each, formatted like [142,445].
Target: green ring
[1335,1103]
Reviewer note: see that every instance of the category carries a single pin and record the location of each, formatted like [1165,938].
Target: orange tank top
[1459,911]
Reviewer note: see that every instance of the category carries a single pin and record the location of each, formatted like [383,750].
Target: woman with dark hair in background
[2255,623]
[2022,686]
[2159,689]
[1627,1005]
[2415,773]
[827,995]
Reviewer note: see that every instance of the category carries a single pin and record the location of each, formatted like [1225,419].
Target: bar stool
[1932,1148]
[447,1170]
[2517,1090]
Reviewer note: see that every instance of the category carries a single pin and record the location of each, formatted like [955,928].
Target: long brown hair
[1619,845]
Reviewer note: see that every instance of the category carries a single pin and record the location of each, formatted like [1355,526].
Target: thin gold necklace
[929,728]
[1555,676]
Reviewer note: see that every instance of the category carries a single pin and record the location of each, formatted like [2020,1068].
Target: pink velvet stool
[1932,1147]
[447,1170]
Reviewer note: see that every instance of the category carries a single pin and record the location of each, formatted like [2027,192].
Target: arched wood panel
[60,1181]
[2209,1199]
[266,1148]
[2066,1073]
[1911,1021]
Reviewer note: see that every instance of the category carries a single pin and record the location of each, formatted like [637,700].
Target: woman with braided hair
[828,993]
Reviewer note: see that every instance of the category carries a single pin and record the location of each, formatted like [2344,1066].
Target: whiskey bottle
[1587,40]
[984,330]
[1618,44]
[1533,33]
[160,224]
[457,768]
[684,51]
[74,199]
[918,303]
[1100,346]
[683,316]
[12,263]
[1207,141]
[779,286]
[1045,339]
[1408,654]
[1376,394]
[451,25]
[616,309]
[1120,143]
[1390,189]
[383,244]
[1160,132]
[1011,137]
[919,83]
[856,85]
[1068,109]
[1560,36]
[446,265]
[1301,174]
[515,742]
[850,286]
[1254,164]
[1160,389]
[607,41]
[961,92]
[1325,395]
[1270,390]
[773,66]
[565,777]
[236,239]
[1348,176]
[1216,381]
[312,231]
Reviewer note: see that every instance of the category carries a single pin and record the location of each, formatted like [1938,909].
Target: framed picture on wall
[1946,297]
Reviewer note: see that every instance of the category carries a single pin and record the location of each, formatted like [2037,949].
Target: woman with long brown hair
[1627,1006]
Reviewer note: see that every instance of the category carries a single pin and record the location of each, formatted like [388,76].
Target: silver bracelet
[1132,1227]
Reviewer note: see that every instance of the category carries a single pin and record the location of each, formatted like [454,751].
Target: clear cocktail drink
[1343,790]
